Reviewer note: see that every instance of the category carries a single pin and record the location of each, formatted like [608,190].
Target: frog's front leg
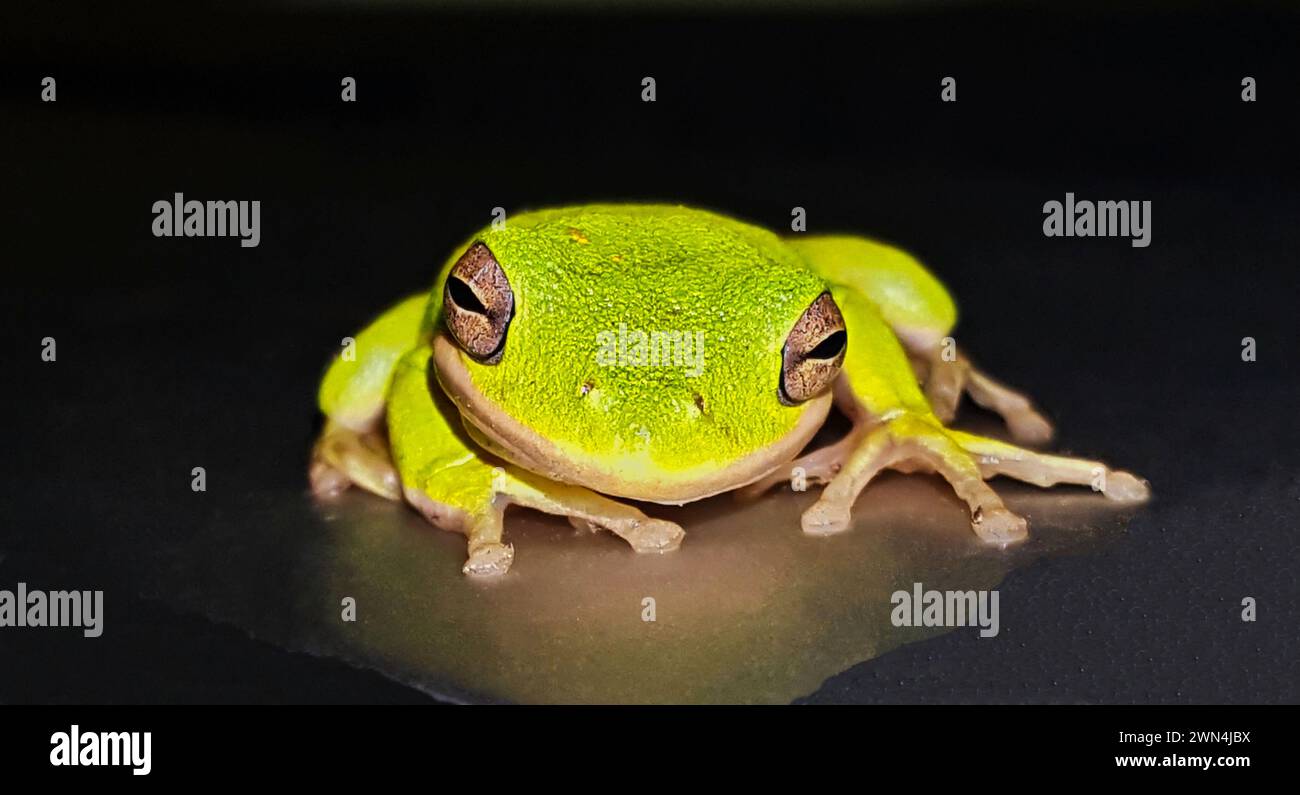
[894,428]
[471,498]
[458,486]
[911,442]
[588,510]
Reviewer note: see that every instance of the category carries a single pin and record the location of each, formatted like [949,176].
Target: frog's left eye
[813,352]
[478,304]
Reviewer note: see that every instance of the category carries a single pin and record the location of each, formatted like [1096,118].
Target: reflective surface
[748,610]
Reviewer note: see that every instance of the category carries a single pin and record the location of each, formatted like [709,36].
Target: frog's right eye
[478,304]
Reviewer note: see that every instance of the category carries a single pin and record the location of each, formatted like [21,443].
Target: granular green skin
[556,412]
[579,272]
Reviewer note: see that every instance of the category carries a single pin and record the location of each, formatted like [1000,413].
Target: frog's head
[657,353]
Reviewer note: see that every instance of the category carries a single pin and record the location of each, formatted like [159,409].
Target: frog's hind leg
[948,376]
[343,456]
[921,314]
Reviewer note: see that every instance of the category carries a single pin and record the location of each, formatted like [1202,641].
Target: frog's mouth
[510,439]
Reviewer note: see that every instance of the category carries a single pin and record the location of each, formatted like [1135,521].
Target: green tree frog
[571,357]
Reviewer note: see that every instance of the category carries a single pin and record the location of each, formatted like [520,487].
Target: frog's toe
[947,380]
[944,386]
[654,535]
[1126,487]
[825,517]
[999,526]
[999,458]
[326,481]
[1030,428]
[489,560]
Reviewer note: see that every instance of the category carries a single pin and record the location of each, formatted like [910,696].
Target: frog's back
[664,247]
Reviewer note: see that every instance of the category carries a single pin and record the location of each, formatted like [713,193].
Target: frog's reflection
[749,609]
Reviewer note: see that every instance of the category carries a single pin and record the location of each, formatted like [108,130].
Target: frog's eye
[813,352]
[478,304]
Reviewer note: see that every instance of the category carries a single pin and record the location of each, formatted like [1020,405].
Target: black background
[172,351]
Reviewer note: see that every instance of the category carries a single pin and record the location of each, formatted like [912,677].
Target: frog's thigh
[353,390]
[921,314]
[351,447]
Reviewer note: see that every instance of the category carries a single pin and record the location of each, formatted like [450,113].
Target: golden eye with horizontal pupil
[478,304]
[813,352]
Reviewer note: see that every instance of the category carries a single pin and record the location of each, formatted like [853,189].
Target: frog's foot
[587,510]
[912,443]
[483,525]
[489,559]
[488,555]
[645,535]
[945,382]
[343,456]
